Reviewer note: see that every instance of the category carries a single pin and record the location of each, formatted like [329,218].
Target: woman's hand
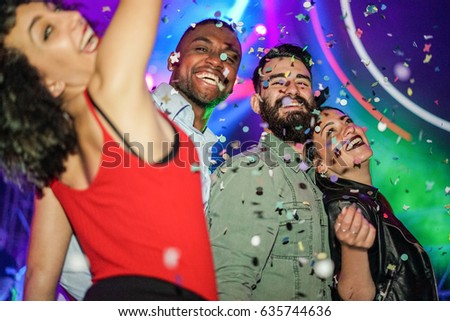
[352,229]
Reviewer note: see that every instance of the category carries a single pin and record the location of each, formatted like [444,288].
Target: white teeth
[355,141]
[210,79]
[89,38]
[289,102]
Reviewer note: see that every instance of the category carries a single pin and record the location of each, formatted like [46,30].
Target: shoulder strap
[166,159]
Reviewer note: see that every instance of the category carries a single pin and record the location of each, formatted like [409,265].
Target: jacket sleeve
[333,208]
[242,231]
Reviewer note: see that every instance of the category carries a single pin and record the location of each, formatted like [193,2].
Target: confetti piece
[382,126]
[226,72]
[429,185]
[245,129]
[256,240]
[427,58]
[303,166]
[195,168]
[406,207]
[285,240]
[359,33]
[427,47]
[391,267]
[259,191]
[174,57]
[302,260]
[447,190]
[404,257]
[223,56]
[323,268]
[365,62]
[370,9]
[171,257]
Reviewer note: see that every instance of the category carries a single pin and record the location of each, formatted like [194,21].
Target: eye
[47,32]
[201,49]
[302,83]
[277,82]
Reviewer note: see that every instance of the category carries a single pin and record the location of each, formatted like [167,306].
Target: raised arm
[118,84]
[50,235]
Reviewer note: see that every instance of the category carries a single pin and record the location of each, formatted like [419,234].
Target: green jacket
[267,224]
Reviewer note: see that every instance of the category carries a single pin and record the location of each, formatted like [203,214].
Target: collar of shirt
[179,110]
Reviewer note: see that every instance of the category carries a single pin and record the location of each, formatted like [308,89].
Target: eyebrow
[283,75]
[33,22]
[207,40]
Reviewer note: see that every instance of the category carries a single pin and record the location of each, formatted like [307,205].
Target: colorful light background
[385,62]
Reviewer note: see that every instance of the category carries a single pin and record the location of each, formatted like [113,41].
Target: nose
[291,88]
[349,130]
[214,60]
[74,18]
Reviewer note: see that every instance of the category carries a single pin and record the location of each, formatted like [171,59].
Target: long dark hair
[36,134]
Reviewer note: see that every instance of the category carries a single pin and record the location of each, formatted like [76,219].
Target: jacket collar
[346,186]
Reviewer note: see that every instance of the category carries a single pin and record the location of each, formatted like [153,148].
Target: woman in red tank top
[116,172]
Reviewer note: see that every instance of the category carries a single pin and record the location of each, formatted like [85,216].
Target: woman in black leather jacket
[375,256]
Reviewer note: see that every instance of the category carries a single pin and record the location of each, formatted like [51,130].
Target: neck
[200,120]
[358,174]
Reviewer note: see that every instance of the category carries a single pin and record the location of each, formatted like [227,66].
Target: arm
[233,222]
[356,235]
[50,235]
[118,84]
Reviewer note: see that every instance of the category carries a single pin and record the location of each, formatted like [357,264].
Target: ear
[169,64]
[321,167]
[172,61]
[56,88]
[255,101]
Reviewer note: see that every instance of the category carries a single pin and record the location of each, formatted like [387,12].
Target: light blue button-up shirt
[180,111]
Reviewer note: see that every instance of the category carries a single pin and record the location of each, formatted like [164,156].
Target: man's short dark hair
[284,50]
[213,21]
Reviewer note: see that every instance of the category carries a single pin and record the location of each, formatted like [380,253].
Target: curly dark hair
[36,134]
[284,50]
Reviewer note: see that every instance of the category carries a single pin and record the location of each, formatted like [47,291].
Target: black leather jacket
[400,267]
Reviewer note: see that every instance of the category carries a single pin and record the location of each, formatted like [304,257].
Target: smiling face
[341,145]
[60,44]
[285,100]
[207,66]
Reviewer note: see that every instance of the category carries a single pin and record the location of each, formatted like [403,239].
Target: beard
[196,97]
[294,127]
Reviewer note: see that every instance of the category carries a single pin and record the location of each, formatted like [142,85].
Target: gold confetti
[427,59]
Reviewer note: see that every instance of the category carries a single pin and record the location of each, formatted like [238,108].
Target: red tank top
[142,219]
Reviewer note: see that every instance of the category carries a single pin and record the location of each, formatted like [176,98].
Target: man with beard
[268,227]
[204,69]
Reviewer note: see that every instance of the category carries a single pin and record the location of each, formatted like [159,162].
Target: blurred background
[385,62]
